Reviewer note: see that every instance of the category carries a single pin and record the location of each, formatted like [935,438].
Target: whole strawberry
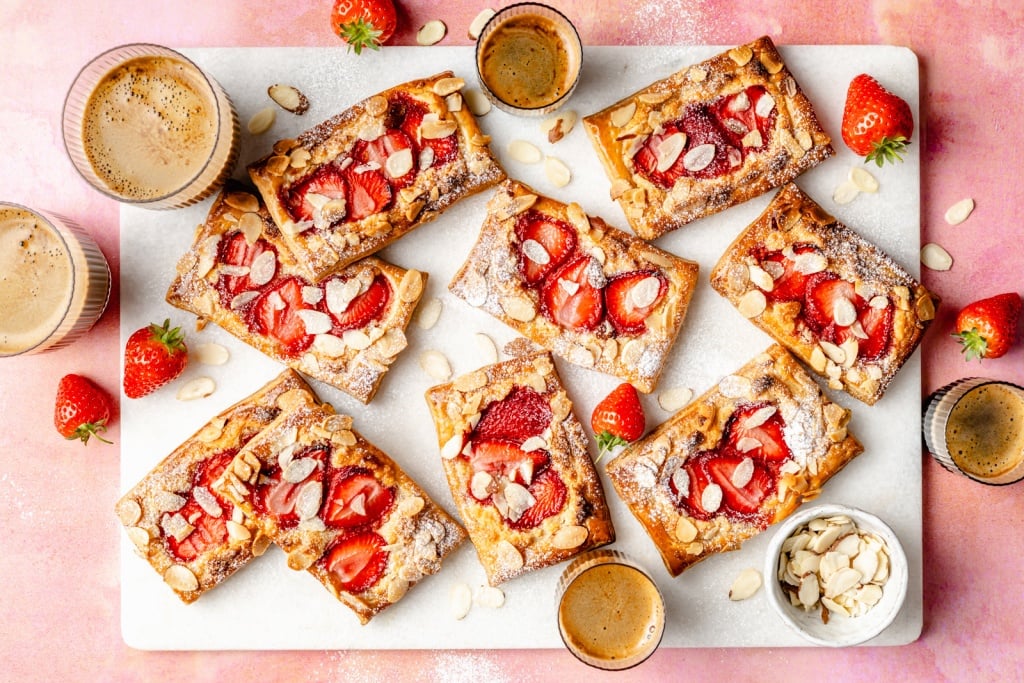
[153,356]
[618,419]
[364,23]
[82,409]
[877,124]
[988,328]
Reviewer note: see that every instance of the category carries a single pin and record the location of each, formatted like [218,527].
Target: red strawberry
[363,309]
[627,305]
[791,284]
[407,113]
[368,193]
[521,414]
[645,161]
[571,296]
[445,149]
[328,181]
[275,314]
[877,124]
[209,532]
[769,443]
[698,480]
[824,292]
[355,498]
[702,128]
[506,458]
[210,471]
[82,409]
[876,323]
[364,23]
[235,250]
[153,356]
[549,492]
[276,496]
[379,150]
[557,239]
[738,115]
[988,328]
[357,562]
[618,419]
[745,499]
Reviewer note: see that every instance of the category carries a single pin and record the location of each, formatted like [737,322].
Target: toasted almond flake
[490,597]
[470,381]
[619,187]
[488,350]
[298,469]
[435,364]
[460,600]
[734,386]
[315,322]
[673,399]
[668,151]
[129,512]
[200,387]
[833,352]
[263,268]
[429,313]
[569,537]
[935,257]
[261,121]
[453,101]
[759,417]
[308,499]
[210,353]
[741,54]
[958,213]
[519,308]
[747,444]
[746,584]
[480,484]
[557,172]
[810,262]
[645,292]
[523,202]
[524,152]
[697,74]
[434,128]
[448,85]
[289,98]
[752,138]
[411,287]
[863,180]
[845,192]
[752,304]
[207,501]
[699,157]
[760,277]
[251,226]
[508,555]
[181,578]
[431,32]
[479,21]
[356,339]
[711,498]
[452,447]
[558,126]
[399,163]
[299,158]
[621,116]
[685,531]
[844,313]
[233,270]
[296,227]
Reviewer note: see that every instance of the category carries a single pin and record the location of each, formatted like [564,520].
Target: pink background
[59,564]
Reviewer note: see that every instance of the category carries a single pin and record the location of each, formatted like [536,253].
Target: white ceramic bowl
[840,631]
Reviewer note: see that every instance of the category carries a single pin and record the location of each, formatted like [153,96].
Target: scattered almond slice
[558,126]
[747,583]
[429,313]
[211,354]
[460,599]
[524,152]
[490,597]
[289,98]
[476,101]
[488,351]
[261,121]
[435,364]
[557,172]
[431,32]
[845,193]
[863,180]
[935,257]
[200,387]
[673,399]
[479,21]
[958,213]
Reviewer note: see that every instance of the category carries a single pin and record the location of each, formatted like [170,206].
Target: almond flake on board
[958,213]
[431,32]
[557,172]
[211,353]
[747,583]
[200,387]
[289,98]
[261,121]
[524,152]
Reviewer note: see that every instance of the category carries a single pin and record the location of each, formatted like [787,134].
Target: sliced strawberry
[275,315]
[791,285]
[368,193]
[702,128]
[645,161]
[571,296]
[521,414]
[737,115]
[698,481]
[209,472]
[209,532]
[363,309]
[507,459]
[629,306]
[877,325]
[557,239]
[379,150]
[445,149]
[550,493]
[328,181]
[407,113]
[276,497]
[746,499]
[357,562]
[824,292]
[764,441]
[355,498]
[235,250]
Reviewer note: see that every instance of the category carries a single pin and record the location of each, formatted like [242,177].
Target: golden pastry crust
[795,141]
[488,500]
[815,435]
[492,278]
[826,246]
[354,360]
[164,503]
[327,242]
[322,457]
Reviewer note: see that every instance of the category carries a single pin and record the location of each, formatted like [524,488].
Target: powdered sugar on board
[268,606]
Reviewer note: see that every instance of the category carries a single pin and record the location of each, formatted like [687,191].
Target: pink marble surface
[59,567]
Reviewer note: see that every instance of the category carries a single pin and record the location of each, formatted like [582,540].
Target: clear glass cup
[54,281]
[528,59]
[975,427]
[146,126]
[611,614]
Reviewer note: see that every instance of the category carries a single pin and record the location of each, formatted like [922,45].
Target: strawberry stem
[173,339]
[608,442]
[360,34]
[88,429]
[887,149]
[974,345]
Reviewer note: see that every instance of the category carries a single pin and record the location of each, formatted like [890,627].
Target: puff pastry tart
[590,293]
[341,508]
[839,303]
[743,456]
[191,534]
[344,330]
[360,180]
[708,137]
[518,467]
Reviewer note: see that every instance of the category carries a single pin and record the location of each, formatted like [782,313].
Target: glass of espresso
[146,126]
[54,281]
[528,59]
[975,427]
[611,614]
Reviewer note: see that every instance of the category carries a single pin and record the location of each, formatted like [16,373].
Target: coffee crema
[985,431]
[150,127]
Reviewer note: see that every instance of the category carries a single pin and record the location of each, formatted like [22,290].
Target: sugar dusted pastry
[193,536]
[590,293]
[341,508]
[344,330]
[518,467]
[362,179]
[710,136]
[737,459]
[840,304]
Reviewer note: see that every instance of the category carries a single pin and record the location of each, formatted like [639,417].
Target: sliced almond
[315,322]
[958,213]
[444,87]
[210,354]
[935,257]
[746,584]
[752,304]
[743,473]
[845,192]
[429,313]
[477,102]
[356,339]
[180,578]
[490,597]
[558,126]
[569,537]
[621,116]
[711,498]
[261,121]
[399,163]
[741,54]
[200,387]
[523,202]
[410,289]
[460,600]
[685,531]
[289,98]
[488,351]
[524,152]
[863,180]
[431,32]
[668,151]
[479,21]
[435,364]
[673,399]
[508,555]
[698,158]
[557,172]
[471,381]
[519,308]
[243,201]
[844,313]
[760,277]
[434,128]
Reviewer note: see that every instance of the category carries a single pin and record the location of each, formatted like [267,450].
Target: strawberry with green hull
[618,419]
[364,23]
[82,409]
[153,356]
[987,328]
[877,124]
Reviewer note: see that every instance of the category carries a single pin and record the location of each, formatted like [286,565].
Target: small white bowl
[840,631]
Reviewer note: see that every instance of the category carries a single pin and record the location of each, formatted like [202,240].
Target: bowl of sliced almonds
[836,575]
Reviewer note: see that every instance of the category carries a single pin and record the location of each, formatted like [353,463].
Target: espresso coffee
[611,613]
[985,431]
[150,127]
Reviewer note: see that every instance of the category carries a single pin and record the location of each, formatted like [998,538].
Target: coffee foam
[985,431]
[526,63]
[150,127]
